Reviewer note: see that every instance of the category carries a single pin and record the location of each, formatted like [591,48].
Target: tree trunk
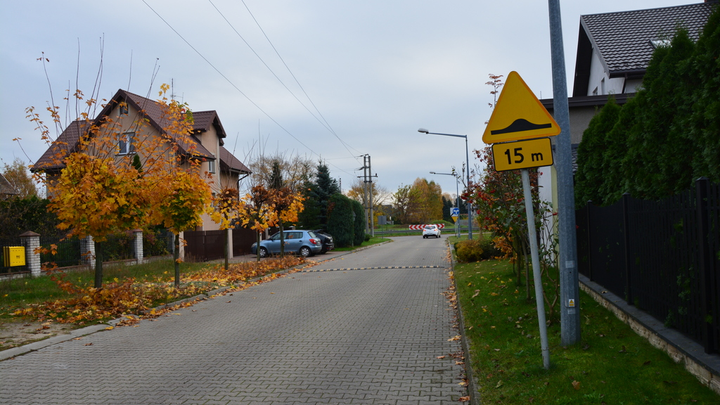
[257,243]
[227,249]
[519,250]
[527,276]
[282,240]
[176,256]
[98,264]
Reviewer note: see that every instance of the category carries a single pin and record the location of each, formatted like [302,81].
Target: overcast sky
[363,75]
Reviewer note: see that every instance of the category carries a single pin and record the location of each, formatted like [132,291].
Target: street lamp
[457,196]
[467,160]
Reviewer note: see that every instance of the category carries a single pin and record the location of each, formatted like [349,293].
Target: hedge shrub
[475,250]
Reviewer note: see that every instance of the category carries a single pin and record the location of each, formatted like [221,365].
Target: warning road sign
[522,154]
[518,115]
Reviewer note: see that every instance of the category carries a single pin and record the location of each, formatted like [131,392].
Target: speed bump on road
[372,268]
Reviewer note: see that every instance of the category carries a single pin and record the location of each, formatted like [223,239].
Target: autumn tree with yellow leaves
[256,211]
[226,210]
[100,192]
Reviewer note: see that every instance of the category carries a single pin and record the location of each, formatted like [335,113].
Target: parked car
[327,240]
[431,230]
[304,243]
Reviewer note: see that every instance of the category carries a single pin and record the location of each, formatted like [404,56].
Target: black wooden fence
[243,238]
[204,245]
[661,256]
[210,245]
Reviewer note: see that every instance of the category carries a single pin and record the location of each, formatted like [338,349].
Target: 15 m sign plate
[522,154]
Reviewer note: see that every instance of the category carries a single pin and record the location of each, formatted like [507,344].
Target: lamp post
[467,164]
[457,196]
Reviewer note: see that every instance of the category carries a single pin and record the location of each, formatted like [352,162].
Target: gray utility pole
[367,190]
[569,284]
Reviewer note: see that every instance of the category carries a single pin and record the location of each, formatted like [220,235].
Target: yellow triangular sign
[518,115]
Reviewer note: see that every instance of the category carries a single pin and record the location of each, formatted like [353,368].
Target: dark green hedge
[359,222]
[340,220]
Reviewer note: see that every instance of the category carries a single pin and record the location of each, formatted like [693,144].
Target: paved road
[344,335]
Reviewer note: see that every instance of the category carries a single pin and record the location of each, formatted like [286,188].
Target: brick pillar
[31,241]
[87,251]
[138,246]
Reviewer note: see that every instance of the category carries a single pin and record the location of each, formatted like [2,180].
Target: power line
[234,86]
[266,65]
[328,126]
[226,78]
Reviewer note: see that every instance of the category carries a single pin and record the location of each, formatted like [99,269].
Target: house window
[126,145]
[660,43]
[211,166]
[123,108]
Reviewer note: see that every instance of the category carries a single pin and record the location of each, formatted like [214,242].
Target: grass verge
[127,290]
[611,364]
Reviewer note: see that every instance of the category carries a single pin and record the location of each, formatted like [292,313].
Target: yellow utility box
[14,256]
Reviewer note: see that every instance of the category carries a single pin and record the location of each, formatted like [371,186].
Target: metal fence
[68,251]
[119,247]
[3,268]
[661,256]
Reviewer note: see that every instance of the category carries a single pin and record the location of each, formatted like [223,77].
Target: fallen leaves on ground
[121,298]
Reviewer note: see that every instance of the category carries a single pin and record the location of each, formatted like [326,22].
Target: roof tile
[53,158]
[623,38]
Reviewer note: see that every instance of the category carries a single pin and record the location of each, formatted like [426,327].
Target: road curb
[472,384]
[74,334]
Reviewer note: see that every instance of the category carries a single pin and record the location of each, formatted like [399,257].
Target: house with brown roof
[613,53]
[7,190]
[135,118]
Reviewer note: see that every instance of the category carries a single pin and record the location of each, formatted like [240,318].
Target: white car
[431,230]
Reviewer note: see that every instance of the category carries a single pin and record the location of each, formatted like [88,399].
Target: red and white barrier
[420,227]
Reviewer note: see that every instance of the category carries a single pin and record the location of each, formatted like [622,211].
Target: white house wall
[599,83]
[210,140]
[633,85]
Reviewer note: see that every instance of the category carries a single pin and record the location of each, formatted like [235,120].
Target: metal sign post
[532,235]
[455,214]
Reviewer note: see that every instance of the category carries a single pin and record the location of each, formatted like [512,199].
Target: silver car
[304,243]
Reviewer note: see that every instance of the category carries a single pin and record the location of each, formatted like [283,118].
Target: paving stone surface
[371,336]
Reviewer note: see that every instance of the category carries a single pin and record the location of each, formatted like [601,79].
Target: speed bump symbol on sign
[522,154]
[518,115]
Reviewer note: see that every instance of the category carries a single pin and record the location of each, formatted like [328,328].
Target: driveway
[372,327]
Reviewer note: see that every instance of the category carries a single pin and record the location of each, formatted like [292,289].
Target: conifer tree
[591,173]
[317,194]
